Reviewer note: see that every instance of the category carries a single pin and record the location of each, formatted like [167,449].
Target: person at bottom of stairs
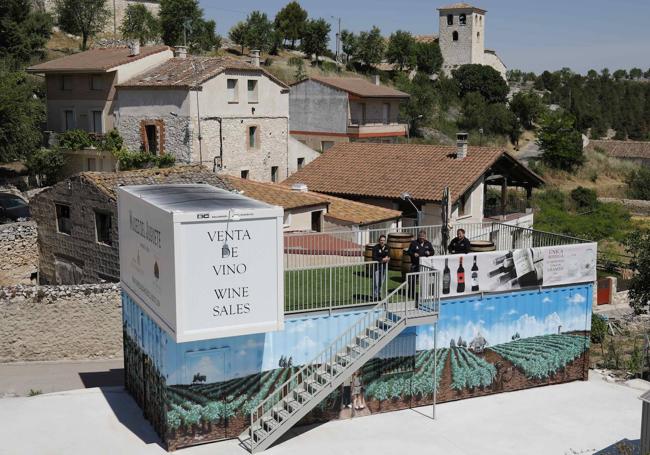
[357,392]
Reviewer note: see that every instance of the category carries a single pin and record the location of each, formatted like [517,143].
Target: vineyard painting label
[485,345]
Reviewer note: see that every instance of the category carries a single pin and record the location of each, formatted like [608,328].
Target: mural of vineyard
[484,346]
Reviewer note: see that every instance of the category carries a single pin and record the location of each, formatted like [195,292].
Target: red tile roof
[94,60]
[191,71]
[622,149]
[388,170]
[461,5]
[359,87]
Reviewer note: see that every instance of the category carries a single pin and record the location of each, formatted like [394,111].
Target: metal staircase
[414,302]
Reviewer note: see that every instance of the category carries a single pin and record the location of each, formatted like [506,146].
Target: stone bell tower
[461,35]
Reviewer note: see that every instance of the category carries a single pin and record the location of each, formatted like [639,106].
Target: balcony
[513,206]
[375,127]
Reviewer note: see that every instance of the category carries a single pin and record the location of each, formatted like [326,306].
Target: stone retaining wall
[60,322]
[635,206]
[19,252]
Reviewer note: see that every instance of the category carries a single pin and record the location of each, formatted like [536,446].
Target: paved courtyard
[574,418]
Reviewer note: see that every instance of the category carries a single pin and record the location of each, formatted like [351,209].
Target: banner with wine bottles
[499,271]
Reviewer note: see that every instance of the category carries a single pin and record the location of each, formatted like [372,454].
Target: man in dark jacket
[460,244]
[419,248]
[380,254]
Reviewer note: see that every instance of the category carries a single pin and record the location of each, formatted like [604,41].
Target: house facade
[485,184]
[328,110]
[80,88]
[78,240]
[227,114]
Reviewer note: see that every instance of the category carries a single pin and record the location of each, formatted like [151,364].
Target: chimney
[255,57]
[134,48]
[180,51]
[376,80]
[461,145]
[299,187]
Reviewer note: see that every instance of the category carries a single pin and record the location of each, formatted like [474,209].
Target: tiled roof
[191,71]
[337,208]
[622,149]
[98,60]
[193,173]
[425,38]
[388,170]
[274,194]
[461,5]
[360,87]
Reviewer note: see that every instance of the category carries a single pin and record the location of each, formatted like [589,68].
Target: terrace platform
[559,419]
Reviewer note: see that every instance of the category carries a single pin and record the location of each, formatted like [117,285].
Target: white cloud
[490,308]
[478,304]
[546,300]
[576,299]
[306,344]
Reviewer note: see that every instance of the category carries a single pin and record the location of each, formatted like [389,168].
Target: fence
[323,249]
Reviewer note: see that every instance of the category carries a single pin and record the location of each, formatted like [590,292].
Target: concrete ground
[575,418]
[18,378]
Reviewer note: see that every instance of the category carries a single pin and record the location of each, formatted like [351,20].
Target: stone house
[78,240]
[328,110]
[461,36]
[474,175]
[228,114]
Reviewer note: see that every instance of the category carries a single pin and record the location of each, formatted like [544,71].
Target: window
[274,174]
[96,82]
[462,19]
[68,119]
[385,114]
[103,226]
[232,91]
[91,164]
[244,174]
[465,205]
[252,91]
[316,221]
[478,35]
[97,122]
[326,145]
[301,163]
[450,19]
[63,222]
[253,139]
[152,139]
[66,83]
[363,113]
[454,36]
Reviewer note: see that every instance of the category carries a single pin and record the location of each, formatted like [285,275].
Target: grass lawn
[340,286]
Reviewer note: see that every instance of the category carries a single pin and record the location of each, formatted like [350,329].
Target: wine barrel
[397,243]
[478,246]
[367,253]
[406,263]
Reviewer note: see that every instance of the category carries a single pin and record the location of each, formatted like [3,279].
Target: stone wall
[635,206]
[19,252]
[60,322]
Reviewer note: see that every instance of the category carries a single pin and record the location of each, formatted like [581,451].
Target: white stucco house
[224,113]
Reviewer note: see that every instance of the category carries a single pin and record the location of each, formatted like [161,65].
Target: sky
[531,35]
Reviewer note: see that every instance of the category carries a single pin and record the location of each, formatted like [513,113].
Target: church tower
[461,35]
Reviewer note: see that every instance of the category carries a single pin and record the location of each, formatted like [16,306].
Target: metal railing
[323,249]
[417,296]
[493,208]
[370,121]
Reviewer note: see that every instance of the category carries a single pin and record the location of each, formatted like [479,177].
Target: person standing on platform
[460,244]
[380,254]
[418,248]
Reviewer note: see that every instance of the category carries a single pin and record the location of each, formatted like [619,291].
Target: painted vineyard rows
[469,371]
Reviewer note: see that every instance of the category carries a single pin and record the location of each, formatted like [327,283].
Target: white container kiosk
[203,262]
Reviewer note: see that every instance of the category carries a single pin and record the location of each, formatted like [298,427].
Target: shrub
[74,140]
[295,61]
[139,160]
[330,67]
[638,182]
[585,198]
[598,328]
[111,142]
[46,165]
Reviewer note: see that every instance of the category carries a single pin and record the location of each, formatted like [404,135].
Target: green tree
[638,183]
[620,74]
[290,22]
[316,37]
[349,45]
[482,79]
[418,110]
[238,34]
[175,14]
[527,106]
[473,112]
[300,73]
[23,32]
[401,50]
[21,115]
[85,18]
[46,165]
[560,142]
[259,31]
[371,47]
[585,198]
[636,73]
[139,23]
[638,245]
[428,57]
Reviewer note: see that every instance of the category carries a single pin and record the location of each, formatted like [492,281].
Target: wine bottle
[460,276]
[501,259]
[506,266]
[446,278]
[475,276]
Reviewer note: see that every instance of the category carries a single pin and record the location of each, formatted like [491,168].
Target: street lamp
[407,197]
